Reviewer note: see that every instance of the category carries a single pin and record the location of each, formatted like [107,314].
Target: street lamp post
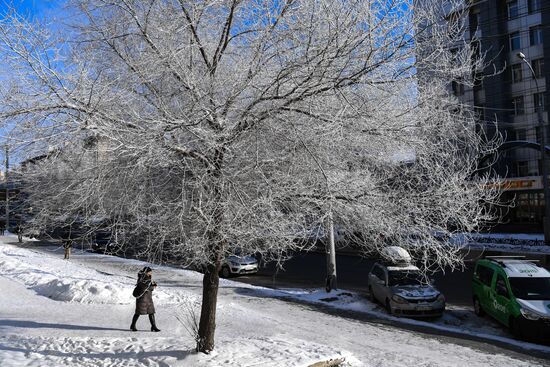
[544,173]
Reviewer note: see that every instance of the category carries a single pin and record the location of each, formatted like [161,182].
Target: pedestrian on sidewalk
[67,246]
[19,231]
[144,298]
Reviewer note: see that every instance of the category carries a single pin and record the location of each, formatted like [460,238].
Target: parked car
[238,265]
[400,287]
[515,292]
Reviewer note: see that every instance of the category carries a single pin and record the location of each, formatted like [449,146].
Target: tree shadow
[166,283]
[263,292]
[42,325]
[115,355]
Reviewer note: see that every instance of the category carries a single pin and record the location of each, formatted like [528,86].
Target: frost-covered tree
[200,127]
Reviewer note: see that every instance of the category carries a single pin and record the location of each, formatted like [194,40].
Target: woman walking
[67,246]
[144,298]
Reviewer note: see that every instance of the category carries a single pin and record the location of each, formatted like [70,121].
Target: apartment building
[510,100]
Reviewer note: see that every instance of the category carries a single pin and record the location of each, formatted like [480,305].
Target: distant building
[499,30]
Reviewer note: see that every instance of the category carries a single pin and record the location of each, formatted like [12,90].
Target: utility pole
[544,168]
[7,161]
[331,256]
[329,247]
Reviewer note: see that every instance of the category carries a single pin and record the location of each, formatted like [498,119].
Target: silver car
[238,265]
[401,290]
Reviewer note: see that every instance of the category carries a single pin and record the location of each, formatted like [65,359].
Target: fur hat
[146,269]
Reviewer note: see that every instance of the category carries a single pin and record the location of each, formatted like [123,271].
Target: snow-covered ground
[521,243]
[55,312]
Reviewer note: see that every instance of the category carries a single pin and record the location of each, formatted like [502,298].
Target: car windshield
[401,277]
[531,288]
[237,251]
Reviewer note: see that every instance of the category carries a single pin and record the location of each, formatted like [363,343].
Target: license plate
[423,308]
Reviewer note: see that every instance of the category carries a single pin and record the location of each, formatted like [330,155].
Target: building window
[521,134]
[458,88]
[517,106]
[455,57]
[479,112]
[513,9]
[478,81]
[476,51]
[528,207]
[538,67]
[535,35]
[535,6]
[517,74]
[515,43]
[522,168]
[454,24]
[540,101]
[474,19]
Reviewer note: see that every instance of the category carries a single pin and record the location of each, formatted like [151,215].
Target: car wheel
[226,273]
[388,307]
[370,295]
[478,310]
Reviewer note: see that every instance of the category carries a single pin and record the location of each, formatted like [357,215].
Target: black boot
[134,320]
[153,325]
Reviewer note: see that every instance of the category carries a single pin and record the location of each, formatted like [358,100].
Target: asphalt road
[308,270]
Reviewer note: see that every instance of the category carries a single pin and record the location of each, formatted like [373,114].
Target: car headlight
[529,315]
[234,264]
[441,297]
[399,299]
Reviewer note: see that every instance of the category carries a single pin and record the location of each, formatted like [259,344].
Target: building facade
[508,96]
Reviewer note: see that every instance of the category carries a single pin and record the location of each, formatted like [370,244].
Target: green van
[514,291]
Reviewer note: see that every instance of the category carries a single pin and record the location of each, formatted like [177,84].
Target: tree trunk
[211,279]
[207,324]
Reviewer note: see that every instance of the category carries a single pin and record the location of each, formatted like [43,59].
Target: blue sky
[33,8]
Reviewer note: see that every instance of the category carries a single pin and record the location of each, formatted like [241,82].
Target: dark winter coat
[144,288]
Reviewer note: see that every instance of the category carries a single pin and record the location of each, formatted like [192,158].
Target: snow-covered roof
[524,269]
[409,267]
[403,156]
[396,255]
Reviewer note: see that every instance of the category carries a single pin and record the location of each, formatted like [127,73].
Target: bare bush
[189,318]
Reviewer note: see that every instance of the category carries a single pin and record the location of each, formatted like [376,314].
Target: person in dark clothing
[67,246]
[19,231]
[144,298]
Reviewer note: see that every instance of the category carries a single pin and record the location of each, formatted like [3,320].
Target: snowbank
[505,242]
[62,280]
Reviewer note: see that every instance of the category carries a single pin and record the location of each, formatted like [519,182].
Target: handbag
[139,291]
